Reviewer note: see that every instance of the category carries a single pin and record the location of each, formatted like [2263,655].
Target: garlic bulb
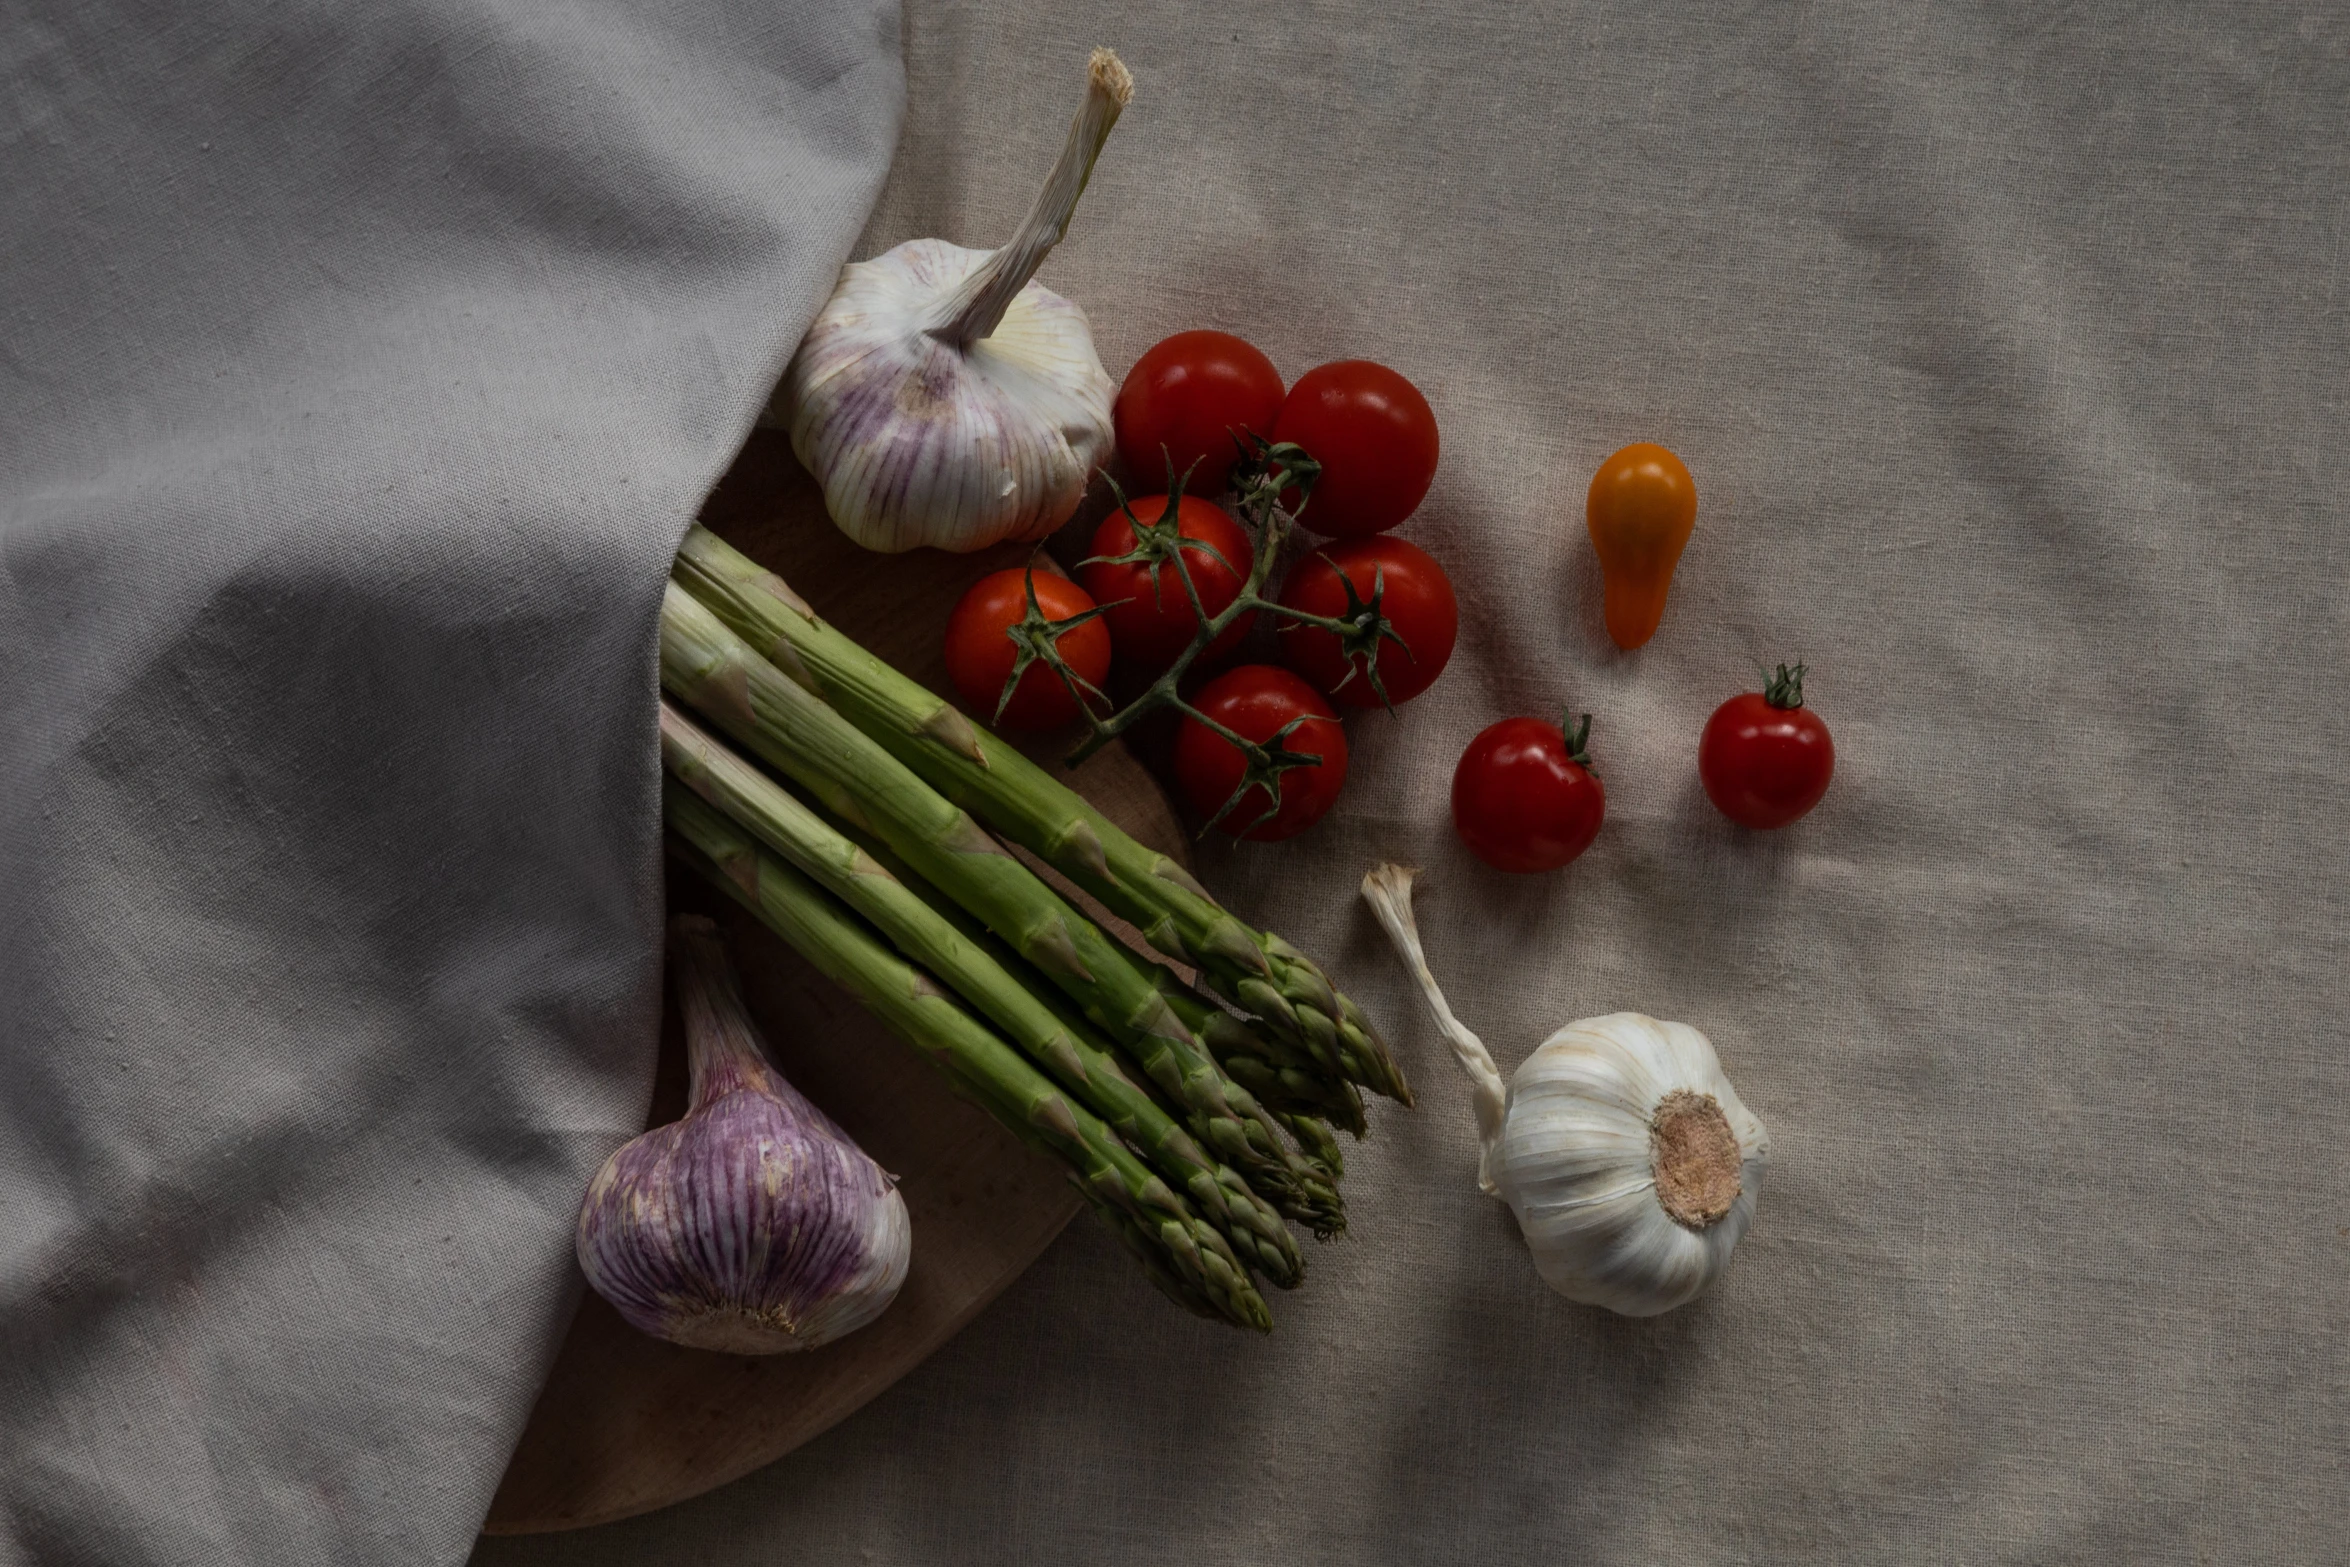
[754,1225]
[943,398]
[1625,1153]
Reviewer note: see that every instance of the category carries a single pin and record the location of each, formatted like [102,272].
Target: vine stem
[1268,471]
[1260,495]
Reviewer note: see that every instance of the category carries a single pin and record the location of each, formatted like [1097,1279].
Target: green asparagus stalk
[1283,1080]
[1186,1255]
[713,670]
[1256,971]
[1141,1244]
[1316,1140]
[1312,1137]
[1296,1099]
[1071,1055]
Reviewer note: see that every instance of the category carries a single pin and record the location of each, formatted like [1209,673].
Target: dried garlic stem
[974,310]
[1388,889]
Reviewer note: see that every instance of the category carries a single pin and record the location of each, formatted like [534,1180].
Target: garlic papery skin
[754,1225]
[1630,1162]
[944,398]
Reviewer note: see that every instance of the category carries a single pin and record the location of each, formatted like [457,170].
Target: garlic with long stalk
[942,397]
[754,1225]
[1625,1153]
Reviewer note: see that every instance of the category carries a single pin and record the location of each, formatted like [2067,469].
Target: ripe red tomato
[1415,598]
[1524,798]
[981,648]
[1764,757]
[1155,622]
[1375,437]
[1184,398]
[1254,701]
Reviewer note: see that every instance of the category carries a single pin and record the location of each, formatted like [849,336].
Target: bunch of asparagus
[868,839]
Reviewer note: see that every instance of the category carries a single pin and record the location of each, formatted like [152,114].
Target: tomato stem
[1162,541]
[1578,738]
[1785,689]
[1359,631]
[1265,472]
[1038,639]
[1261,767]
[1270,470]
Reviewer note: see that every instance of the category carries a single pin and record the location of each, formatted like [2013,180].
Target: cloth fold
[361,367]
[2007,346]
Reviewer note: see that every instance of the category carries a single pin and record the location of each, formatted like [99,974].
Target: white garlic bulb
[1626,1155]
[943,398]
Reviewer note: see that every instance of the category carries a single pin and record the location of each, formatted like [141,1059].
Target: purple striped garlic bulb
[943,398]
[753,1225]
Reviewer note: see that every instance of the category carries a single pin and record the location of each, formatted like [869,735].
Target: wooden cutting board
[627,1423]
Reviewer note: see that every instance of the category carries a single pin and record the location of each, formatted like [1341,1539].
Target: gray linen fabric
[2008,346]
[360,366]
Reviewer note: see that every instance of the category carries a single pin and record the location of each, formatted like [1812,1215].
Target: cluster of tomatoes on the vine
[1364,620]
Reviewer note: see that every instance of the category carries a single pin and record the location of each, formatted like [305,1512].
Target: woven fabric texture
[361,367]
[2007,345]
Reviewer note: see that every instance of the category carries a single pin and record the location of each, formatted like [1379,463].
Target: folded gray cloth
[361,366]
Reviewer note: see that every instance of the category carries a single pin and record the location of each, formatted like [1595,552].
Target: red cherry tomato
[1415,597]
[1254,701]
[1375,437]
[1524,798]
[1155,622]
[1764,757]
[1183,400]
[981,650]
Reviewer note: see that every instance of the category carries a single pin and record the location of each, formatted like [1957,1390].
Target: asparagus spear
[1184,1254]
[1285,1085]
[1256,971]
[1070,1054]
[1283,1080]
[709,667]
[1312,1137]
[1316,1139]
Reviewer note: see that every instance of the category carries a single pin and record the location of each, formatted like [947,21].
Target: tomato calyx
[1269,469]
[1360,629]
[1784,690]
[1578,738]
[1261,767]
[1162,543]
[1037,637]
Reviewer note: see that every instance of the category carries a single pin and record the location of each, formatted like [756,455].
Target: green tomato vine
[1265,472]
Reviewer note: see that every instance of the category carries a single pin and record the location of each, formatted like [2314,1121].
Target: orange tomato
[1641,508]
